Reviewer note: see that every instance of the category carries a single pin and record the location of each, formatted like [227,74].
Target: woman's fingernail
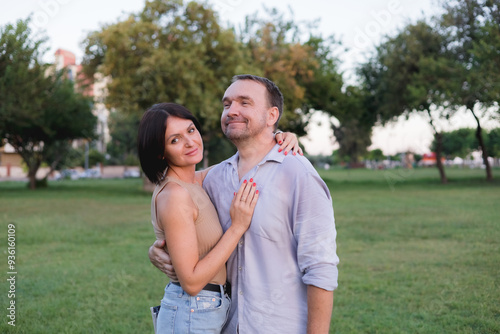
[280,142]
[251,180]
[234,194]
[245,181]
[286,152]
[254,184]
[279,150]
[256,191]
[294,153]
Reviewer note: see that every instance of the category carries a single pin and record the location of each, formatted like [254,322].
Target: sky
[359,24]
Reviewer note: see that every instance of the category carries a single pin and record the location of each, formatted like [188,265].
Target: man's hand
[161,260]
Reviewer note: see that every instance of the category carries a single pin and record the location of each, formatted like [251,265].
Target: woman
[170,146]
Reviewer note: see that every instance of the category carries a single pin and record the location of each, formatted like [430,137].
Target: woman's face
[183,143]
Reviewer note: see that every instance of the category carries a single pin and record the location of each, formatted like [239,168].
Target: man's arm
[320,307]
[161,260]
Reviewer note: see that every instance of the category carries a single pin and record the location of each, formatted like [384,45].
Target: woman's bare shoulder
[172,195]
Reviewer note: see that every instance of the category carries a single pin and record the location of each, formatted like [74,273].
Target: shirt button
[241,242]
[197,298]
[239,268]
[192,310]
[241,292]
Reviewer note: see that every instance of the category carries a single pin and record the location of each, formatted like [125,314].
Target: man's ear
[273,115]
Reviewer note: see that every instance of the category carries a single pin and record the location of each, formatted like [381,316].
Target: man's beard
[238,135]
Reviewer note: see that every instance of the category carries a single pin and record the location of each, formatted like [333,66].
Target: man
[284,269]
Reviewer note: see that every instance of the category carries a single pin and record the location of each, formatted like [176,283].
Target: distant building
[96,89]
[9,156]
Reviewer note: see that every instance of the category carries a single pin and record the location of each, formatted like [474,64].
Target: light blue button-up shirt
[290,243]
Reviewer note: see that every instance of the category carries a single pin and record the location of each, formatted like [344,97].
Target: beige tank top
[208,228]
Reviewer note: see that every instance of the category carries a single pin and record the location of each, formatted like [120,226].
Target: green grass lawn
[416,256]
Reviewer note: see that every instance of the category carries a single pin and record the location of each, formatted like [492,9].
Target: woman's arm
[177,214]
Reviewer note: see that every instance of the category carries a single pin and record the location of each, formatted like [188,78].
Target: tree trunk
[439,149]
[33,164]
[479,136]
[439,163]
[53,166]
[32,177]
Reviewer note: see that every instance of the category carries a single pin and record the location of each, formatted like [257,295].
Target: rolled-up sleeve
[314,230]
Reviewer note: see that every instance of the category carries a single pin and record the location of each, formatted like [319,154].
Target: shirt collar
[272,155]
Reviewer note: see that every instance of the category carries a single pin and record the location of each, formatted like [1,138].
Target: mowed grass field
[416,256]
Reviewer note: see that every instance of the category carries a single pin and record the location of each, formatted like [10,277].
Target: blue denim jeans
[206,312]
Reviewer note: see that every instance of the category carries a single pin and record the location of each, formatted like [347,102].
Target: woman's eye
[191,130]
[175,140]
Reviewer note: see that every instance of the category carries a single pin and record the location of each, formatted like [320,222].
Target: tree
[39,112]
[354,130]
[376,155]
[349,105]
[493,141]
[411,72]
[123,131]
[167,52]
[472,28]
[457,143]
[273,49]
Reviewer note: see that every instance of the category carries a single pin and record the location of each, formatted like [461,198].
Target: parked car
[131,173]
[90,174]
[68,174]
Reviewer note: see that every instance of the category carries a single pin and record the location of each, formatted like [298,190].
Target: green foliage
[356,122]
[375,155]
[39,111]
[493,142]
[123,130]
[349,105]
[131,160]
[168,52]
[96,157]
[447,66]
[271,45]
[411,72]
[219,149]
[473,38]
[408,72]
[178,52]
[472,28]
[458,143]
